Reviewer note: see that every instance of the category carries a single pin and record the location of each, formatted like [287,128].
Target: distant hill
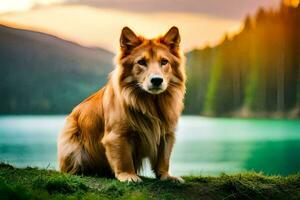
[256,73]
[43,74]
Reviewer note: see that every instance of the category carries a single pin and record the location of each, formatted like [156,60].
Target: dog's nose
[156,81]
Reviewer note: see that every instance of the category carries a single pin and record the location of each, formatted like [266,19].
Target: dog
[133,117]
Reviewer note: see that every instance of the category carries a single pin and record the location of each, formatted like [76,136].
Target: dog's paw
[127,177]
[176,179]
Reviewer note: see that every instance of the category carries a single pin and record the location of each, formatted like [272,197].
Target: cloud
[231,9]
[235,9]
[8,6]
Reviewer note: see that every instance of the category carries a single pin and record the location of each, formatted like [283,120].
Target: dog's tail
[69,147]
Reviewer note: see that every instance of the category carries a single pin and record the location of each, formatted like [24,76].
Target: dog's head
[151,65]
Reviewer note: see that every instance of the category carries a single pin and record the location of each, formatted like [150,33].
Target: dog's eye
[142,62]
[164,61]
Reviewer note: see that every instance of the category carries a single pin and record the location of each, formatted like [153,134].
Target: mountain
[255,73]
[43,74]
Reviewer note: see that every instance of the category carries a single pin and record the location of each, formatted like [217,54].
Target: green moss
[14,191]
[33,183]
[61,184]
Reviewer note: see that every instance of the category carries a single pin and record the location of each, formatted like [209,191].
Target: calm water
[204,146]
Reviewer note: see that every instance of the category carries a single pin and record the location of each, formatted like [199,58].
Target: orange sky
[98,26]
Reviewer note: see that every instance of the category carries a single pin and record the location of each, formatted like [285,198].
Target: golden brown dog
[133,116]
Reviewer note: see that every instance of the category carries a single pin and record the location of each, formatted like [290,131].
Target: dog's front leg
[161,164]
[118,151]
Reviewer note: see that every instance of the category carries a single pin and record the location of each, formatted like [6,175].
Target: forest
[255,73]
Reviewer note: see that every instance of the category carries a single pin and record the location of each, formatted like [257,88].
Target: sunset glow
[23,5]
[294,3]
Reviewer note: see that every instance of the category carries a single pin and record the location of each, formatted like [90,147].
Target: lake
[204,146]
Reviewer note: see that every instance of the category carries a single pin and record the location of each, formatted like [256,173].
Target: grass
[34,183]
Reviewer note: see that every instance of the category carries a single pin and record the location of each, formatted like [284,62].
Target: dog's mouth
[155,90]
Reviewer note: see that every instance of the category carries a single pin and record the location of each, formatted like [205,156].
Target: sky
[98,23]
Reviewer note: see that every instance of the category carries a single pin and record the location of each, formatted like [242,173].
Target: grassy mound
[33,183]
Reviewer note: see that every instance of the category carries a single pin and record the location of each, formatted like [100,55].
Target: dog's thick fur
[112,131]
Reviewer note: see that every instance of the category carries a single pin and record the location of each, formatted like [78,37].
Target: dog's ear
[171,38]
[128,39]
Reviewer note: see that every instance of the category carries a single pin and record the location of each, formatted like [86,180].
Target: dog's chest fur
[150,126]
